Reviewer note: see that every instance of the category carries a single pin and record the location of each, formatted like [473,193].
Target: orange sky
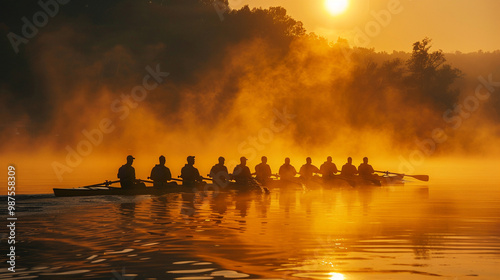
[462,25]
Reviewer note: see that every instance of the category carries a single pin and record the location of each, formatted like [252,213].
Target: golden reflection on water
[403,232]
[336,276]
[35,174]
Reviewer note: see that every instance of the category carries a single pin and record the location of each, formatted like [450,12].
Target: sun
[336,7]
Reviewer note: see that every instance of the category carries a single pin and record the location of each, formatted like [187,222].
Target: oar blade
[424,178]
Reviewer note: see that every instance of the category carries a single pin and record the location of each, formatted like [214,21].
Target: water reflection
[336,276]
[337,233]
[242,202]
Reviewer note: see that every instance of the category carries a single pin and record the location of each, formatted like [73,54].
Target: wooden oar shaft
[107,183]
[147,181]
[418,177]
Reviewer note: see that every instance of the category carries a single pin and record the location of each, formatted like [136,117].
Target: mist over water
[253,84]
[104,79]
[442,231]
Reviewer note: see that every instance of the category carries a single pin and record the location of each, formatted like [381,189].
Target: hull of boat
[103,190]
[338,181]
[94,191]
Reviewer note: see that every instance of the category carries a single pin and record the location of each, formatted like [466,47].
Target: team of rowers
[161,175]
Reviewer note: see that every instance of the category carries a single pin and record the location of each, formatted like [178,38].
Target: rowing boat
[339,181]
[106,189]
[358,181]
[315,182]
[94,191]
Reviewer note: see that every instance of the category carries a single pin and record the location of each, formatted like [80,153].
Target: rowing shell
[93,191]
[340,181]
[107,190]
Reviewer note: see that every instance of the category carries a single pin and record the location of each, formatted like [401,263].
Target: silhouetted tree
[430,79]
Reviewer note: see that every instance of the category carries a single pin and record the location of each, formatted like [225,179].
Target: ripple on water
[40,268]
[22,277]
[229,274]
[194,278]
[183,262]
[72,272]
[118,252]
[320,275]
[381,234]
[191,271]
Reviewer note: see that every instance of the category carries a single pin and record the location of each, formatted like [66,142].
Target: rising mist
[255,83]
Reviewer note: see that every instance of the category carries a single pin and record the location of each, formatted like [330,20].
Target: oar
[262,188]
[173,179]
[418,177]
[181,180]
[105,184]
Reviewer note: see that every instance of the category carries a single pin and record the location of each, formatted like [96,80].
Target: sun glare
[336,276]
[336,7]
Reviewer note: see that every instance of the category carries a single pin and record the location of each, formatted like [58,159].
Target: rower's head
[263,159]
[287,160]
[329,159]
[130,159]
[162,160]
[349,160]
[308,160]
[190,160]
[365,160]
[221,160]
[243,161]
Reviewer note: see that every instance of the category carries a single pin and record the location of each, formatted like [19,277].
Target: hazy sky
[464,25]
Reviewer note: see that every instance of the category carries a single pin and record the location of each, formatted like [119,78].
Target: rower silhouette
[126,173]
[219,173]
[241,173]
[328,169]
[287,172]
[349,170]
[160,174]
[263,172]
[307,170]
[366,172]
[190,174]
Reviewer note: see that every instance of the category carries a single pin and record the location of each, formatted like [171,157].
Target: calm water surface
[411,232]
